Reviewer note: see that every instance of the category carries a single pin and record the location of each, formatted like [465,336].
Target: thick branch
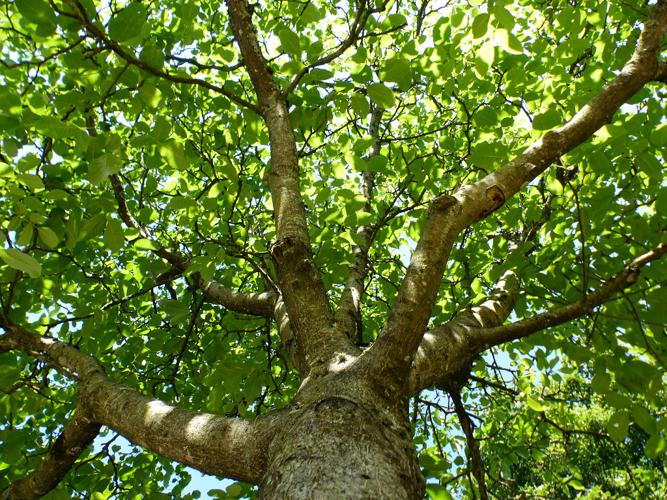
[448,348]
[77,435]
[257,304]
[300,281]
[483,197]
[224,447]
[348,315]
[393,351]
[488,337]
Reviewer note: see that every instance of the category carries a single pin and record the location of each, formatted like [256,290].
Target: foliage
[465,86]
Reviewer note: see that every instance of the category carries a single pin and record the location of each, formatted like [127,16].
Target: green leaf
[93,226]
[114,239]
[601,383]
[289,41]
[547,120]
[32,181]
[644,419]
[508,42]
[486,53]
[360,104]
[128,23]
[486,117]
[381,95]
[38,12]
[399,71]
[555,186]
[617,426]
[480,25]
[21,261]
[488,155]
[57,129]
[377,163]
[358,163]
[437,492]
[311,13]
[576,484]
[48,236]
[152,55]
[655,446]
[659,135]
[535,405]
[102,167]
[396,20]
[504,17]
[25,236]
[177,310]
[145,244]
[174,154]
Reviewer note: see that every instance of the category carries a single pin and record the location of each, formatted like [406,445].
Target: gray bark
[343,441]
[347,433]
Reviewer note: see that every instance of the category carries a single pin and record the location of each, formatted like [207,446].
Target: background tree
[363,236]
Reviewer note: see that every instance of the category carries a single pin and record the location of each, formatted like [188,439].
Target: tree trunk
[343,443]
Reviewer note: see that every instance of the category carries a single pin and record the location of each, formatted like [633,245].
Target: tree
[297,244]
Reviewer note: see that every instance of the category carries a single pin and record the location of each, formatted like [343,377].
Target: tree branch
[478,200]
[393,351]
[391,354]
[447,349]
[348,315]
[489,337]
[224,447]
[300,282]
[257,304]
[476,464]
[357,27]
[77,435]
[103,38]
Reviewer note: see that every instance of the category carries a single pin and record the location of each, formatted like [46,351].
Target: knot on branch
[277,250]
[495,197]
[294,250]
[442,203]
[633,275]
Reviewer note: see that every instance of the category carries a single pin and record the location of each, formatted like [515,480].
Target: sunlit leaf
[21,261]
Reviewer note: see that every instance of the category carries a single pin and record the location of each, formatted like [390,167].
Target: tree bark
[343,441]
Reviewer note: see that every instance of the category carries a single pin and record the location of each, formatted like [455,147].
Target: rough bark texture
[213,444]
[220,446]
[347,433]
[393,351]
[450,347]
[311,318]
[343,441]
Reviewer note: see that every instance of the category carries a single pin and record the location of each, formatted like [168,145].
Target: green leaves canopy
[142,95]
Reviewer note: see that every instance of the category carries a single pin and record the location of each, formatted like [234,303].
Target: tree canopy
[203,204]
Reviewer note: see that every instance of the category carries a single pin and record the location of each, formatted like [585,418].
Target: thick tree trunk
[343,445]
